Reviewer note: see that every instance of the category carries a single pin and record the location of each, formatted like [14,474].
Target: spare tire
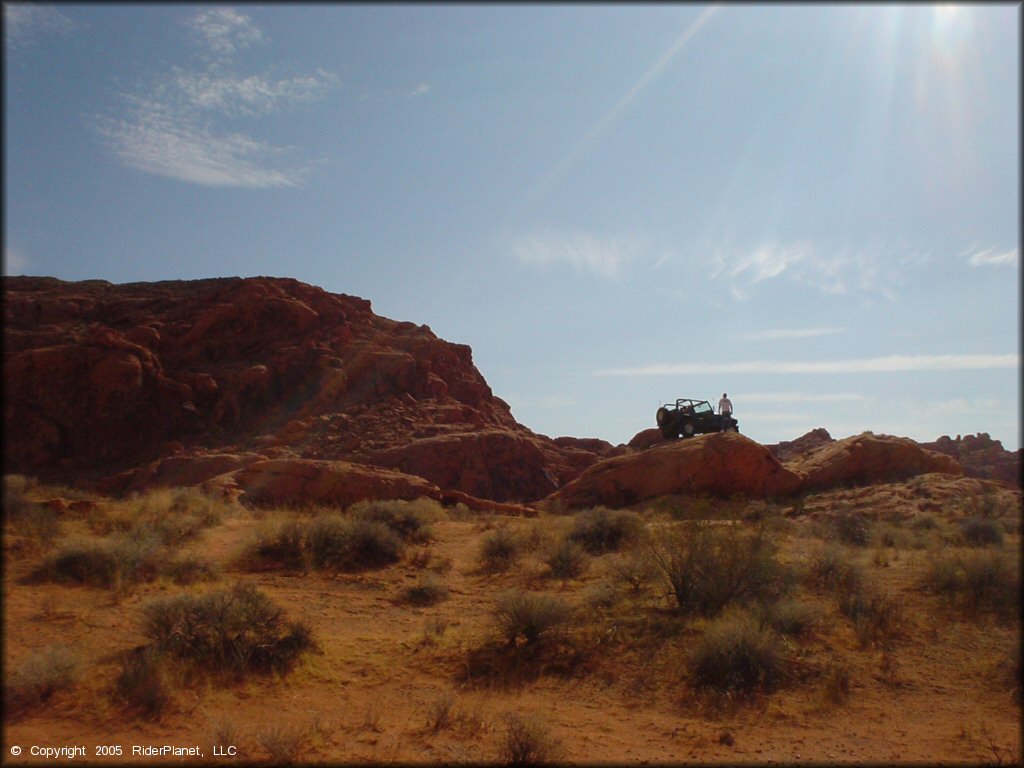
[662,416]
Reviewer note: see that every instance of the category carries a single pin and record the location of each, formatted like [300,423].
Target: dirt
[386,671]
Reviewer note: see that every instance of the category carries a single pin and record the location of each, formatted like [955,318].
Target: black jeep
[687,418]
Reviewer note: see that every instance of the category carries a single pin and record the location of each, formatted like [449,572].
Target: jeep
[686,418]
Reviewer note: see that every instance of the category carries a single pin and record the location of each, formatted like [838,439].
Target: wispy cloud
[224,31]
[174,129]
[776,334]
[874,269]
[991,257]
[16,262]
[605,256]
[420,89]
[25,23]
[889,364]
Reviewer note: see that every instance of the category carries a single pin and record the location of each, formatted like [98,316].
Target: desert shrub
[830,569]
[633,568]
[277,544]
[351,545]
[173,515]
[283,744]
[985,504]
[527,741]
[600,530]
[39,676]
[980,531]
[736,654]
[529,615]
[441,713]
[924,523]
[405,519]
[852,528]
[836,688]
[499,550]
[34,520]
[428,591]
[567,560]
[115,561]
[977,580]
[190,569]
[234,630]
[708,567]
[789,617]
[142,683]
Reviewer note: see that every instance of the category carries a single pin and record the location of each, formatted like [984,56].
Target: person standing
[725,405]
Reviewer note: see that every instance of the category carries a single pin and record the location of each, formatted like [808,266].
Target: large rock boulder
[492,464]
[301,482]
[867,459]
[722,464]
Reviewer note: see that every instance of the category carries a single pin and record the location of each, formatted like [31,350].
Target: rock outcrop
[723,464]
[102,378]
[788,449]
[867,459]
[981,456]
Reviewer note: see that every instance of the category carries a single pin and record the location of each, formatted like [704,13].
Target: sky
[813,208]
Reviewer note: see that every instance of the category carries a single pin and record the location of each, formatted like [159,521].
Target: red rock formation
[867,459]
[787,449]
[981,456]
[646,438]
[301,482]
[721,464]
[103,378]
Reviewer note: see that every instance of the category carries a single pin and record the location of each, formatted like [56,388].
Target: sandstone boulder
[299,482]
[788,449]
[493,464]
[646,438]
[867,459]
[721,464]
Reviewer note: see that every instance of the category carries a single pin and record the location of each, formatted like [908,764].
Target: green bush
[499,550]
[39,676]
[529,615]
[331,542]
[234,630]
[736,654]
[278,544]
[567,560]
[707,567]
[600,530]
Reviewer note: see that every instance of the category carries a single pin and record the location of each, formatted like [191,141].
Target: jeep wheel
[687,429]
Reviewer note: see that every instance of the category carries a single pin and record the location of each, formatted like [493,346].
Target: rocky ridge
[272,390]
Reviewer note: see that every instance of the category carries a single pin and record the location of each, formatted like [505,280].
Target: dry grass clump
[600,530]
[736,654]
[852,528]
[174,515]
[112,562]
[707,567]
[789,617]
[38,677]
[331,542]
[27,517]
[980,531]
[875,615]
[530,616]
[235,630]
[409,520]
[499,550]
[978,581]
[428,591]
[836,688]
[528,741]
[566,560]
[143,684]
[190,569]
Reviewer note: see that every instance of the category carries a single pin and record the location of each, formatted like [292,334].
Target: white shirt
[725,406]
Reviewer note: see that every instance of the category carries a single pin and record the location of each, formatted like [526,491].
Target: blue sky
[813,208]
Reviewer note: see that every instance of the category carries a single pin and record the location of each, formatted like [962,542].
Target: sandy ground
[386,671]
